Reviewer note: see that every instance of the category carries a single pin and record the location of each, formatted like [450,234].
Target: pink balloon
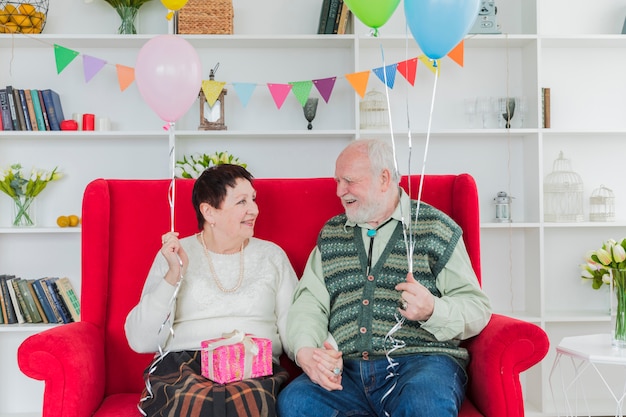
[169,76]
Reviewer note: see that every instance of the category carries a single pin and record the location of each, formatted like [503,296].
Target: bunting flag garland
[325,87]
[244,91]
[91,66]
[63,56]
[358,80]
[125,76]
[212,90]
[458,53]
[301,89]
[391,74]
[408,69]
[279,93]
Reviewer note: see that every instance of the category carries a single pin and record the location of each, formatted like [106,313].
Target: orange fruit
[73,219]
[63,221]
[27,9]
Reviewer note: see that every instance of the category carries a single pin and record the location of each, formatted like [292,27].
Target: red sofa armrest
[70,360]
[504,349]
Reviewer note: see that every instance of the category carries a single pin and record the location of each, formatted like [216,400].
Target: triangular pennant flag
[325,87]
[430,63]
[125,76]
[358,80]
[244,91]
[390,70]
[91,66]
[279,93]
[212,90]
[63,57]
[408,69]
[301,89]
[457,53]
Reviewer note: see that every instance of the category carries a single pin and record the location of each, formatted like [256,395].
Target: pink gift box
[236,356]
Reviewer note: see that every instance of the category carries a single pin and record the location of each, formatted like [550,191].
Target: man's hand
[418,302]
[321,365]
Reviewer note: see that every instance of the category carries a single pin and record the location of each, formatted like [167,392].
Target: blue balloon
[439,25]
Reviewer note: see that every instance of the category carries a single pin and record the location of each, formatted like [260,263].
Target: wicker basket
[200,17]
[23,16]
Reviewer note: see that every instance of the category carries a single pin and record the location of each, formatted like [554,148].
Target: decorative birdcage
[602,205]
[563,193]
[373,111]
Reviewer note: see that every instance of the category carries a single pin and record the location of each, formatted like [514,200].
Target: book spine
[11,99]
[37,110]
[16,303]
[323,17]
[69,296]
[546,107]
[52,119]
[11,316]
[43,110]
[31,110]
[7,122]
[19,110]
[332,16]
[27,124]
[3,306]
[29,301]
[58,302]
[58,108]
[336,26]
[36,301]
[21,299]
[45,302]
[344,19]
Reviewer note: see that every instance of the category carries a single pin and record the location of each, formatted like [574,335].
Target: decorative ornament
[212,103]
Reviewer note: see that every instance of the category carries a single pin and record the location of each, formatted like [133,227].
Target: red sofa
[88,367]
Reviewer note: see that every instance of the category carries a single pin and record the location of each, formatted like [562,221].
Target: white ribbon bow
[233,338]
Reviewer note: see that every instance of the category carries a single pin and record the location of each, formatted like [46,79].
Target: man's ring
[337,371]
[403,304]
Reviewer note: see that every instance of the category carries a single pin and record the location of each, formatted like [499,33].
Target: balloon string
[408,245]
[172,190]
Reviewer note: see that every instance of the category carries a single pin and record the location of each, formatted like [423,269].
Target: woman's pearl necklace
[212,268]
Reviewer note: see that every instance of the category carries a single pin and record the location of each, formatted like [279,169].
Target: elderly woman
[228,280]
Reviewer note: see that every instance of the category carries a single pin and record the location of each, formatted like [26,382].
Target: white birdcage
[373,111]
[563,193]
[602,205]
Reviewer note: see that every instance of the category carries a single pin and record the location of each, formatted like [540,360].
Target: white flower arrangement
[193,165]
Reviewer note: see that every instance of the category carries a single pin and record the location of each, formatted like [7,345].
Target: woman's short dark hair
[210,187]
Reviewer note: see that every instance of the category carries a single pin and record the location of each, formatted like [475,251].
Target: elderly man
[373,338]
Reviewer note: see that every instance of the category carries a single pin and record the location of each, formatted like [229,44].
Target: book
[16,303]
[66,317]
[31,110]
[27,124]
[3,306]
[344,18]
[45,301]
[545,101]
[11,99]
[35,297]
[333,10]
[53,118]
[41,125]
[5,111]
[58,108]
[66,290]
[26,313]
[323,17]
[339,8]
[19,110]
[8,303]
[29,300]
[43,110]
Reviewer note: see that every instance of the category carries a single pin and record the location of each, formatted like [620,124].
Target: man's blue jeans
[425,386]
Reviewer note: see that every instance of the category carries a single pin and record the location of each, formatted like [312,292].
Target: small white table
[588,352]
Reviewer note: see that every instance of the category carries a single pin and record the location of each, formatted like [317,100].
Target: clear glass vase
[618,307]
[24,211]
[128,14]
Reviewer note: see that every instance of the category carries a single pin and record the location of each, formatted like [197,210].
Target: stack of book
[334,17]
[30,109]
[43,300]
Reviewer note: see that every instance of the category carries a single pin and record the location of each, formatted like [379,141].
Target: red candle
[88,121]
